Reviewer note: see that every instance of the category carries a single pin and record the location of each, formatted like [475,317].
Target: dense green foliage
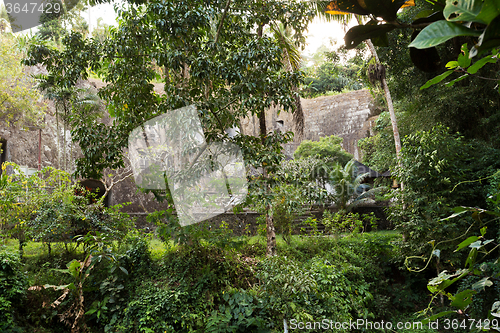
[327,148]
[205,288]
[18,101]
[441,171]
[330,77]
[13,285]
[450,147]
[47,207]
[228,71]
[216,57]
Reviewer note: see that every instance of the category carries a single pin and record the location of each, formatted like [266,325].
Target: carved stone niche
[96,188]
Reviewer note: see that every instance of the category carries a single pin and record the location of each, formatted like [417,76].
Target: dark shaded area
[96,189]
[3,152]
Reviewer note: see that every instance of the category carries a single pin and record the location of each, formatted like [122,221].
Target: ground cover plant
[207,288]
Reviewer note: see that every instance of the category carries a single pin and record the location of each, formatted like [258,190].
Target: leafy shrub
[312,223]
[348,222]
[135,255]
[439,171]
[61,221]
[315,291]
[13,285]
[241,312]
[328,147]
[156,309]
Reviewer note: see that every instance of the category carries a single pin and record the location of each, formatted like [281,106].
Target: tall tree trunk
[270,232]
[388,98]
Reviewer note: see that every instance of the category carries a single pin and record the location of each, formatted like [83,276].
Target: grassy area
[158,248]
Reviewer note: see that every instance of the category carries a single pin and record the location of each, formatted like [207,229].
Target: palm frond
[292,61]
[292,53]
[365,197]
[360,178]
[320,7]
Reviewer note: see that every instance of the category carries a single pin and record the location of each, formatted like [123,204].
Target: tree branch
[475,75]
[222,20]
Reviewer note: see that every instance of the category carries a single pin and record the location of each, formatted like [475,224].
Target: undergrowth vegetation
[207,288]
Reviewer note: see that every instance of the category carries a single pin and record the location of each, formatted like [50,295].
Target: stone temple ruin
[350,116]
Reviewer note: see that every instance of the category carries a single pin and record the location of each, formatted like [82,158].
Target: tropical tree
[18,101]
[213,58]
[344,11]
[331,77]
[348,188]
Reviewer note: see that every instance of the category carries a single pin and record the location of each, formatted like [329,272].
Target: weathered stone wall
[22,145]
[245,223]
[349,116]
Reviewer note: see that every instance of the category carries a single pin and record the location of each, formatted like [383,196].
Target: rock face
[349,116]
[22,145]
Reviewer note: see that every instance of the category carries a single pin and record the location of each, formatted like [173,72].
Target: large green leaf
[460,209]
[74,267]
[467,242]
[480,63]
[444,280]
[462,10]
[433,81]
[490,10]
[436,316]
[359,33]
[463,58]
[471,258]
[451,83]
[424,13]
[463,299]
[439,32]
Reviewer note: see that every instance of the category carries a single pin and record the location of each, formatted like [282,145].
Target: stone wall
[22,145]
[245,223]
[349,116]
